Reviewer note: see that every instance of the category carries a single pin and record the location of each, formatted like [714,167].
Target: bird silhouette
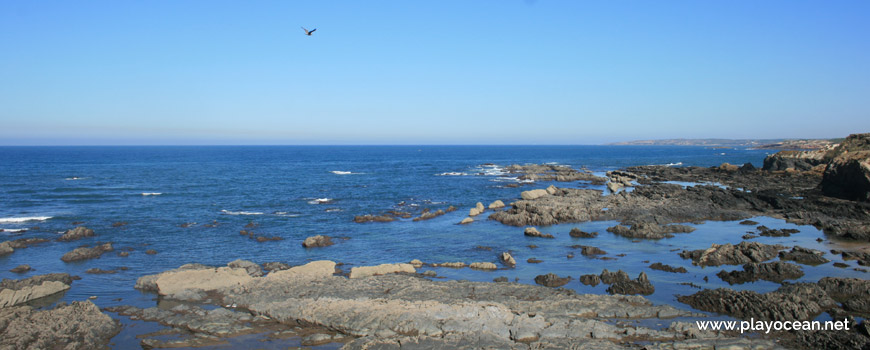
[308,32]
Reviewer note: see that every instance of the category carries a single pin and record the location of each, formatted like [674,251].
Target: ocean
[190,203]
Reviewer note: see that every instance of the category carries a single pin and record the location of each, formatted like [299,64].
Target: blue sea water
[293,192]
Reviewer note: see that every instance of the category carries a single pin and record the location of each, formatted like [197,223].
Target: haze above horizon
[446,72]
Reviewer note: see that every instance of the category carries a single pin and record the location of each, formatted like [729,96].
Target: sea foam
[241,212]
[23,219]
[320,201]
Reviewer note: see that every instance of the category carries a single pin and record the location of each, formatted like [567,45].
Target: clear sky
[430,72]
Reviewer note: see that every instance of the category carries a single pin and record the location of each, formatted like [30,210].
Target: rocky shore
[396,306]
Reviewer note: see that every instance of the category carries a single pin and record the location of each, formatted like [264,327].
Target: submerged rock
[317,241]
[577,233]
[85,253]
[768,232]
[649,230]
[21,269]
[275,266]
[76,234]
[668,268]
[586,250]
[804,256]
[552,280]
[776,271]
[373,218]
[250,267]
[728,254]
[590,280]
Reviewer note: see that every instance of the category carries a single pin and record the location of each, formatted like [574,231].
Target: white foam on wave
[451,173]
[13,230]
[73,178]
[674,164]
[151,193]
[23,219]
[240,212]
[332,210]
[285,214]
[339,172]
[320,201]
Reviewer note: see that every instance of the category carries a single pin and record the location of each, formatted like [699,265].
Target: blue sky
[430,72]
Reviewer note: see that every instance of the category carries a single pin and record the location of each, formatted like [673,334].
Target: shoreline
[648,210]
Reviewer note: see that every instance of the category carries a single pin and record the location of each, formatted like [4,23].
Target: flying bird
[308,32]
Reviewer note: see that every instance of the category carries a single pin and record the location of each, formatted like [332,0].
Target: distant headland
[792,144]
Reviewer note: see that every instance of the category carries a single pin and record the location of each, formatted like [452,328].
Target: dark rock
[577,233]
[728,254]
[768,232]
[841,265]
[21,269]
[852,292]
[749,222]
[622,285]
[589,250]
[649,230]
[801,301]
[776,271]
[76,234]
[548,172]
[862,257]
[317,241]
[668,268]
[99,271]
[748,167]
[794,160]
[251,268]
[85,253]
[373,218]
[590,280]
[534,261]
[501,279]
[848,173]
[275,266]
[25,242]
[124,254]
[429,215]
[552,280]
[119,224]
[804,256]
[151,252]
